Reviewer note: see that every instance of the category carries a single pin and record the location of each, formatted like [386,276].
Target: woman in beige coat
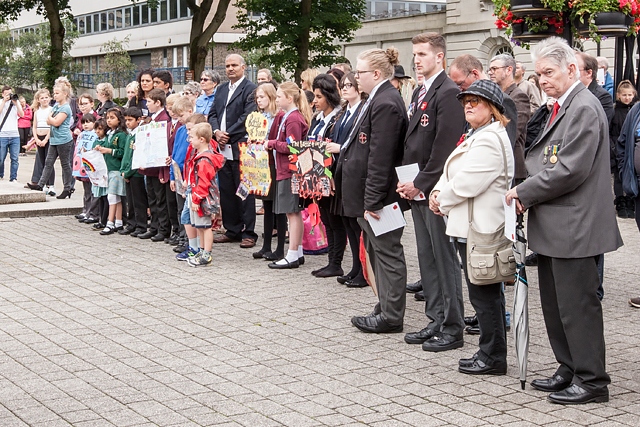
[476,170]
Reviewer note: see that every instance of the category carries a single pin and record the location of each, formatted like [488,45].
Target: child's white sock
[300,251]
[193,243]
[118,223]
[291,257]
[110,224]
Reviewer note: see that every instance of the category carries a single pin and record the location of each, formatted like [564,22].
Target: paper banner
[152,149]
[310,166]
[255,176]
[256,125]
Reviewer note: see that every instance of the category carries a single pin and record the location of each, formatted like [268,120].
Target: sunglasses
[204,79]
[474,101]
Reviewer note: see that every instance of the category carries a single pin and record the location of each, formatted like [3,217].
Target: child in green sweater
[113,151]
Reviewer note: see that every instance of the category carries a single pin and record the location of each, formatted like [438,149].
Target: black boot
[630,206]
[621,206]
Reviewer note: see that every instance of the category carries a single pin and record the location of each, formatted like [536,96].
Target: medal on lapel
[554,158]
[423,106]
[546,153]
[424,120]
[362,137]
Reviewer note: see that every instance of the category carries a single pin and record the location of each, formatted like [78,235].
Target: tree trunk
[303,40]
[200,36]
[57,31]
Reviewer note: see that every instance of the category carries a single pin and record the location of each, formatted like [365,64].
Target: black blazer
[367,165]
[340,137]
[435,128]
[240,105]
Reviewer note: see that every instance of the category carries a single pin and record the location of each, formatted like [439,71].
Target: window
[127,17]
[164,58]
[111,20]
[145,14]
[184,10]
[96,22]
[503,49]
[88,24]
[163,11]
[153,13]
[136,16]
[382,8]
[119,18]
[414,9]
[173,9]
[103,21]
[80,24]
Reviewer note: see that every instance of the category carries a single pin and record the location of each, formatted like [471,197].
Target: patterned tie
[421,95]
[556,108]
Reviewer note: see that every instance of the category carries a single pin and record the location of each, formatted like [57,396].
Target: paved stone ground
[112,331]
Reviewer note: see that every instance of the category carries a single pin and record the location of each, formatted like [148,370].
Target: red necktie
[556,108]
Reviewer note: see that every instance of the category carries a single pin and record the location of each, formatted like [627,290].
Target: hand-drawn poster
[151,146]
[255,176]
[84,143]
[93,162]
[310,165]
[256,125]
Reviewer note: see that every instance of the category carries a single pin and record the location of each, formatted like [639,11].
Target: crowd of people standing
[477,138]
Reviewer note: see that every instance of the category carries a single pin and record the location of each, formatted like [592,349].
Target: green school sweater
[116,142]
[127,157]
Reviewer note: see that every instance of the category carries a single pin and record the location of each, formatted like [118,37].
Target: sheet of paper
[509,219]
[391,218]
[226,151]
[408,173]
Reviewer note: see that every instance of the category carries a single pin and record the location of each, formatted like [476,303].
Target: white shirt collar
[428,82]
[234,86]
[351,110]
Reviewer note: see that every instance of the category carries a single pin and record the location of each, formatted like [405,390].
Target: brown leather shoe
[223,239]
[247,243]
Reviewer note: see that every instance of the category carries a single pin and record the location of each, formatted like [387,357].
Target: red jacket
[295,127]
[201,173]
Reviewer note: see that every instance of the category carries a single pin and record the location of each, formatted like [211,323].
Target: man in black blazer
[435,126]
[233,102]
[368,158]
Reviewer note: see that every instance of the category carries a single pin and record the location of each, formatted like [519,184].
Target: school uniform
[136,190]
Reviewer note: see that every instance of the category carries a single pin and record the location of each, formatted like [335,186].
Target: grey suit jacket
[569,202]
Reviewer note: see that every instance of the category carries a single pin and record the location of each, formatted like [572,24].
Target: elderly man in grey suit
[571,221]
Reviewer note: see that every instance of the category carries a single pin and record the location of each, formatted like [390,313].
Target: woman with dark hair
[353,96]
[145,84]
[327,103]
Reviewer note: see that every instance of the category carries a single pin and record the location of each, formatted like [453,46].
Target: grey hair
[603,62]
[193,87]
[507,60]
[524,67]
[213,75]
[242,61]
[557,51]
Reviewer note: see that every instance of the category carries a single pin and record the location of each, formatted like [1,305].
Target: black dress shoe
[330,271]
[107,231]
[419,337]
[471,320]
[555,383]
[478,367]
[259,254]
[98,226]
[442,342]
[360,283]
[275,266]
[158,238]
[318,270]
[343,279]
[34,186]
[375,324]
[90,221]
[273,256]
[412,288]
[146,235]
[125,231]
[576,395]
[469,361]
[419,296]
[137,233]
[301,260]
[472,330]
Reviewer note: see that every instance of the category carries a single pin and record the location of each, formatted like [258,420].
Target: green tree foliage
[118,62]
[54,11]
[6,48]
[29,65]
[296,35]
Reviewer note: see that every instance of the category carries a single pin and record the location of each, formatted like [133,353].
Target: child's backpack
[210,205]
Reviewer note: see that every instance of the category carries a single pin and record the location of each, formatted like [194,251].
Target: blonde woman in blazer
[475,170]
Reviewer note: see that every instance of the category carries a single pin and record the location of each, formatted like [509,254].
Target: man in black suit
[368,158]
[436,124]
[233,102]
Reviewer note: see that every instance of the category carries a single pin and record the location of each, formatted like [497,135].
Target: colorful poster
[84,143]
[96,168]
[151,149]
[310,164]
[255,176]
[256,125]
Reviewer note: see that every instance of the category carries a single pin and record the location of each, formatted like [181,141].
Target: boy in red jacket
[200,172]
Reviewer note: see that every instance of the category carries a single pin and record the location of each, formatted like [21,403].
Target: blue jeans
[11,145]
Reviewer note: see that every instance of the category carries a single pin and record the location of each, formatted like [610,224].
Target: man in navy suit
[233,102]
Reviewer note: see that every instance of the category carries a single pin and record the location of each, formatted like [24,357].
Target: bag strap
[6,115]
[506,174]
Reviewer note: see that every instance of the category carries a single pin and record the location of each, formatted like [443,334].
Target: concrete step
[14,192]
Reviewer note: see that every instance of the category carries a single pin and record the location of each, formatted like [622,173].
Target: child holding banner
[85,142]
[294,125]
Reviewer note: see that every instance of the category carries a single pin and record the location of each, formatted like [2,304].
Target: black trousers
[238,216]
[573,318]
[157,196]
[138,203]
[353,233]
[336,236]
[172,208]
[25,133]
[488,302]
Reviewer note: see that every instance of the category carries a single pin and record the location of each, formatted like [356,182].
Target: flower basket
[609,24]
[522,8]
[522,33]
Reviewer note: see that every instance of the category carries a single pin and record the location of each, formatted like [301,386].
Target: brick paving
[112,331]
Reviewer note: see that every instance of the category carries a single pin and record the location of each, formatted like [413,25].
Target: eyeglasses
[347,86]
[204,79]
[357,73]
[474,101]
[459,84]
[492,70]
